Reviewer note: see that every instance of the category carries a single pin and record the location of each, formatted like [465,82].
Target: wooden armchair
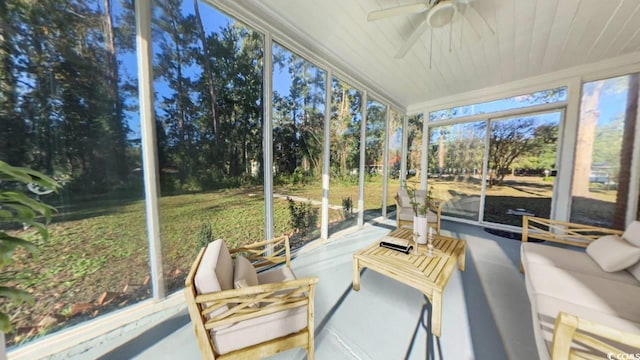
[404,211]
[249,322]
[576,338]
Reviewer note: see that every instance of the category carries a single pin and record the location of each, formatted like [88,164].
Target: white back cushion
[244,271]
[215,271]
[632,233]
[612,253]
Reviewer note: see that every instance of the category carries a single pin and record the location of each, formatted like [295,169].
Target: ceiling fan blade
[396,11]
[415,35]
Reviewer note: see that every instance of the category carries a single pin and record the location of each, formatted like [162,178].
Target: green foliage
[17,207]
[347,207]
[205,236]
[420,208]
[304,217]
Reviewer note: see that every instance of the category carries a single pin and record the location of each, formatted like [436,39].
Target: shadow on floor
[483,328]
[147,339]
[424,321]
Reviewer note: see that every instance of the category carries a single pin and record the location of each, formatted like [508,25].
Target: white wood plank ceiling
[532,37]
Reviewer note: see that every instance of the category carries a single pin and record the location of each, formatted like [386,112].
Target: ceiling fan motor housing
[441,14]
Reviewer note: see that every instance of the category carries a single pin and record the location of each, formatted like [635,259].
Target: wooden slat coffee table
[426,274]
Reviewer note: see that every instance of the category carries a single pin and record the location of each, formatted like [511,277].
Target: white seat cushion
[258,330]
[595,293]
[572,260]
[552,290]
[634,270]
[547,308]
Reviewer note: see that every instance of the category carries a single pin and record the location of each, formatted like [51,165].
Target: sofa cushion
[403,198]
[244,271]
[634,270]
[632,233]
[215,271]
[572,260]
[547,308]
[257,330]
[406,214]
[276,275]
[613,253]
[591,292]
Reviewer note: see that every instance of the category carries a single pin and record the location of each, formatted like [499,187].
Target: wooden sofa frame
[274,297]
[570,330]
[562,232]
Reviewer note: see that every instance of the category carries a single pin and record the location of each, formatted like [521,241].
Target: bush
[205,236]
[304,217]
[17,207]
[347,207]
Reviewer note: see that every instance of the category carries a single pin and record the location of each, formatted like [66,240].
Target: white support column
[267,136]
[564,176]
[149,149]
[634,182]
[326,158]
[404,151]
[363,147]
[385,162]
[424,168]
[485,171]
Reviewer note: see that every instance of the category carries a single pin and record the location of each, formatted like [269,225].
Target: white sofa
[573,281]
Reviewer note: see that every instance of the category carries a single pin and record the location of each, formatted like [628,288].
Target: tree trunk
[117,133]
[441,151]
[628,135]
[12,127]
[208,73]
[589,115]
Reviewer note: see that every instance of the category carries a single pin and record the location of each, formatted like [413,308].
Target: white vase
[420,227]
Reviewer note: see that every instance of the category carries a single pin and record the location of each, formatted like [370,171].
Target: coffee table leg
[436,313]
[356,274]
[462,259]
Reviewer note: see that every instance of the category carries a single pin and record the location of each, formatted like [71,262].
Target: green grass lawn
[99,245]
[340,190]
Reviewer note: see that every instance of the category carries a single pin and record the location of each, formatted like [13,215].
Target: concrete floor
[486,312]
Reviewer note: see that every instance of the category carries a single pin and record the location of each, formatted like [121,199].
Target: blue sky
[611,104]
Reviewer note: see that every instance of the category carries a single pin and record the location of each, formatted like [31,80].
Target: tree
[204,58]
[116,127]
[509,140]
[13,142]
[624,179]
[589,116]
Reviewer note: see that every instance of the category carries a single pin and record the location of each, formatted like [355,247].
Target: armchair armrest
[562,232]
[570,330]
[257,251]
[274,297]
[436,205]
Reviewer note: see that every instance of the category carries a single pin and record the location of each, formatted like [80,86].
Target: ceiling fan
[436,13]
